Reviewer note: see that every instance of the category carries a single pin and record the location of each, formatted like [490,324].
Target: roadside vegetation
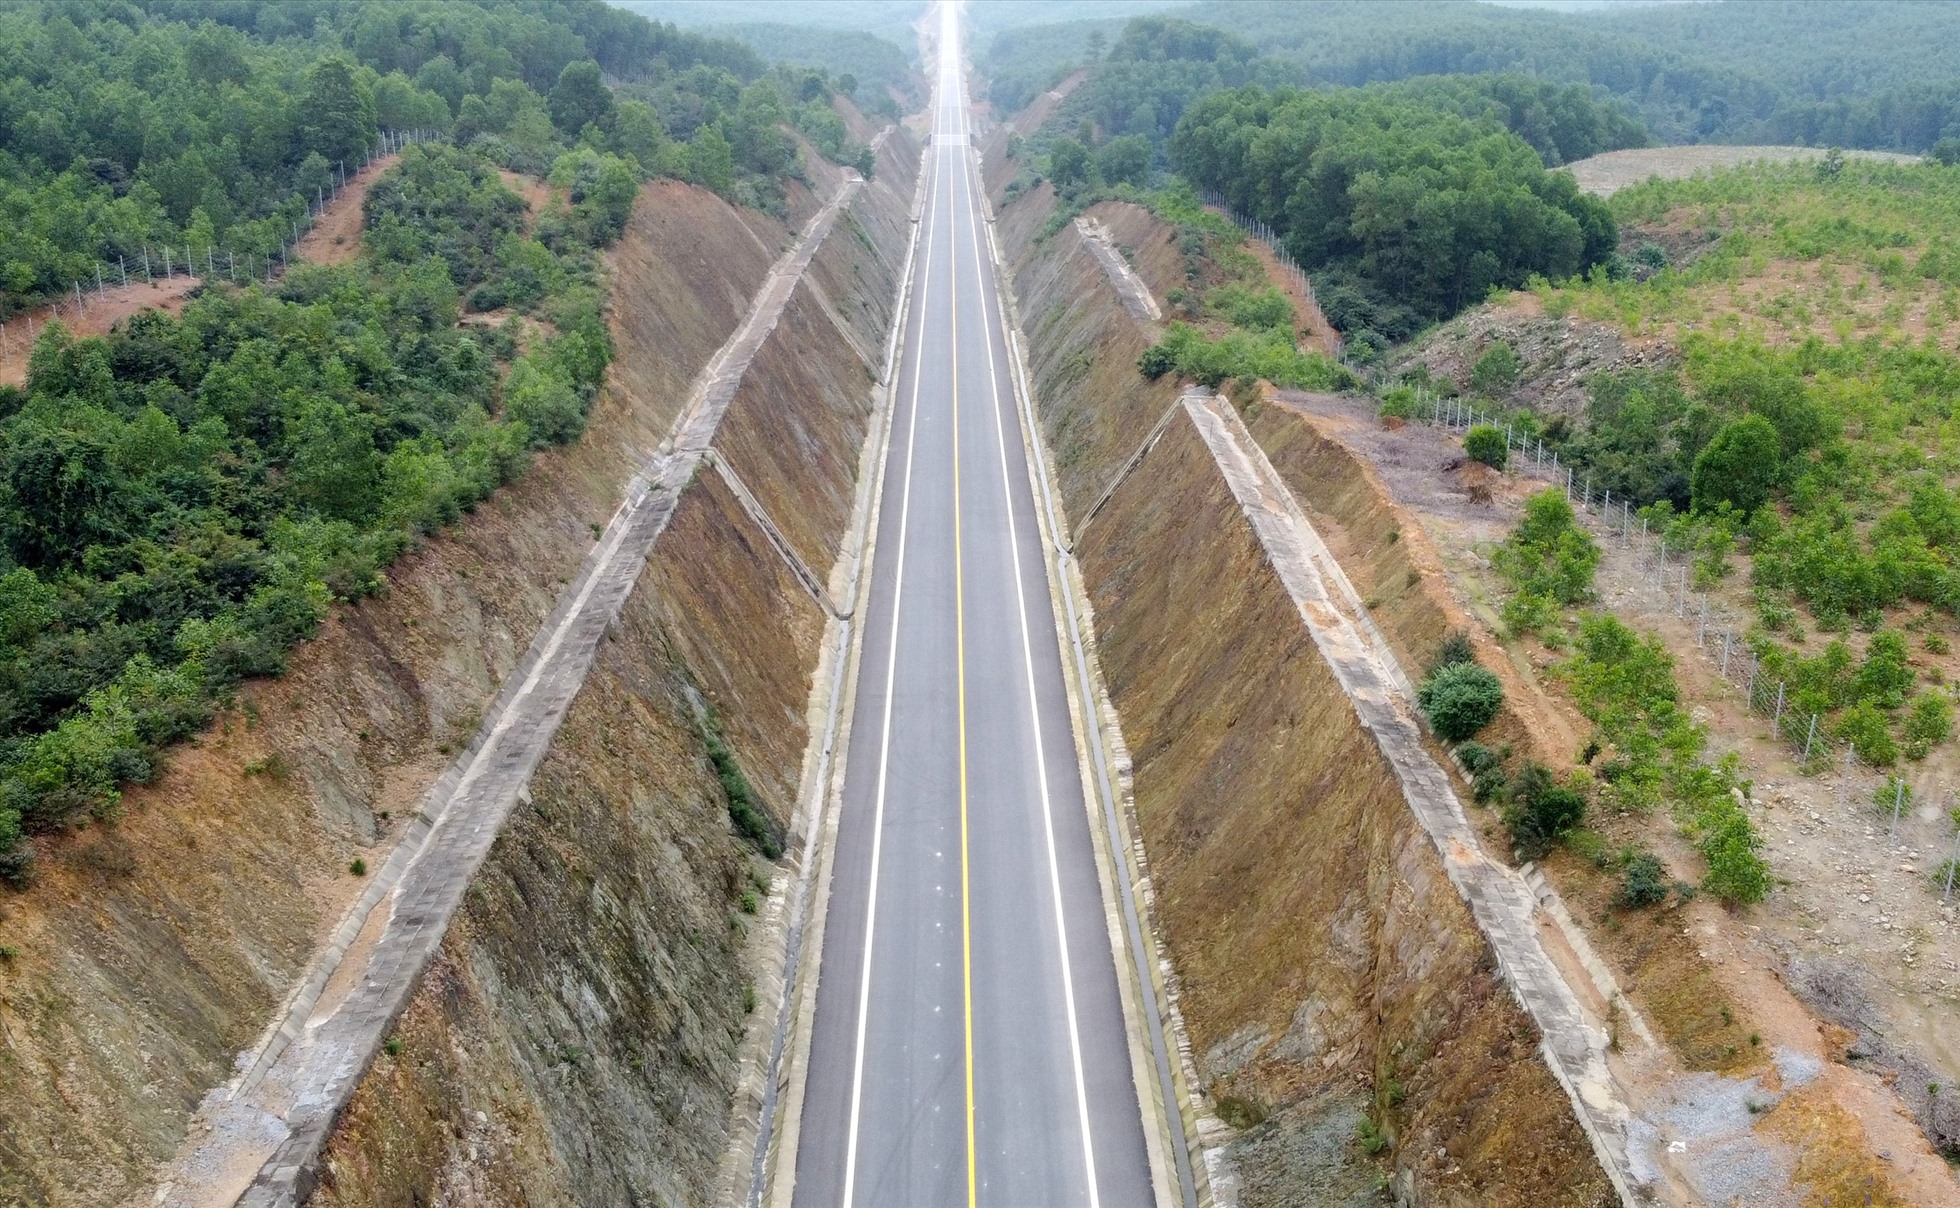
[131,126]
[183,500]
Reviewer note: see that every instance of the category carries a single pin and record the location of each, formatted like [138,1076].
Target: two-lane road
[969,1044]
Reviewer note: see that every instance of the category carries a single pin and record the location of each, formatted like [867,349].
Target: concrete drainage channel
[1499,898]
[259,1138]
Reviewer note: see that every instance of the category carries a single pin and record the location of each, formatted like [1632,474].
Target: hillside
[1768,382]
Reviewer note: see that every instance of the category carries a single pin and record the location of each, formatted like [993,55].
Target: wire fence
[151,264]
[1664,578]
[1270,238]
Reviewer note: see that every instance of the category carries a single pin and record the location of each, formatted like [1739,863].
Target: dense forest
[878,75]
[1777,71]
[1881,75]
[182,500]
[214,124]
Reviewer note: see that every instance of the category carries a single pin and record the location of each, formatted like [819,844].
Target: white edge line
[885,738]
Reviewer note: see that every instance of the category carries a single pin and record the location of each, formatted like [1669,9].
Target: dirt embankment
[1327,967]
[152,952]
[576,1042]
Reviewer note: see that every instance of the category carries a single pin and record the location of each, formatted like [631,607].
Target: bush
[1540,812]
[1401,403]
[1865,725]
[1456,648]
[1460,699]
[750,822]
[1928,723]
[1496,370]
[1736,871]
[1156,361]
[1643,881]
[1548,559]
[1739,467]
[1488,444]
[1476,757]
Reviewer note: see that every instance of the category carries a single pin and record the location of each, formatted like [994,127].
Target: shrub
[1496,370]
[1401,403]
[1489,785]
[1865,725]
[1894,794]
[1156,361]
[1460,699]
[1736,871]
[1928,723]
[1540,812]
[1643,881]
[1456,648]
[1739,467]
[1548,559]
[1476,757]
[750,822]
[1488,444]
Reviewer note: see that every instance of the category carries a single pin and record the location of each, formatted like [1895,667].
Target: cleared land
[1604,175]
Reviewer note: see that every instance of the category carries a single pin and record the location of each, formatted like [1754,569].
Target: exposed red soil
[336,234]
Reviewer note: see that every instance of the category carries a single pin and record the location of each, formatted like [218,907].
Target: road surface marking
[1034,714]
[959,629]
[885,740]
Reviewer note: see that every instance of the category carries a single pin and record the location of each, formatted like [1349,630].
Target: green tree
[338,118]
[1496,370]
[711,161]
[1739,467]
[1070,164]
[1460,699]
[1125,160]
[581,98]
[334,466]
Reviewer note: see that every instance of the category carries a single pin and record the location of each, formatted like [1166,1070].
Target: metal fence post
[1809,739]
[1898,807]
[1778,723]
[1844,780]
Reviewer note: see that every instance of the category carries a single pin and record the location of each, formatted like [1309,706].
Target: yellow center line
[959,622]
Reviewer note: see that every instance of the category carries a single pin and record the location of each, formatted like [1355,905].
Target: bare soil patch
[99,313]
[336,234]
[1604,175]
[1850,936]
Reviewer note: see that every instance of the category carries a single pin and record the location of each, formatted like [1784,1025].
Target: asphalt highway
[969,1044]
